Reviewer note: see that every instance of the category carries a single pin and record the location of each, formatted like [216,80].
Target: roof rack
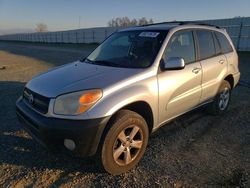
[160,23]
[184,23]
[201,23]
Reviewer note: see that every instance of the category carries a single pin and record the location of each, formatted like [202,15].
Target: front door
[179,90]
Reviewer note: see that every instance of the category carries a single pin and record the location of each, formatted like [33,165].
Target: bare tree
[134,22]
[150,21]
[125,22]
[41,27]
[142,21]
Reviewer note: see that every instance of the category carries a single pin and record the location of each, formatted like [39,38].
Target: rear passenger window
[206,44]
[181,45]
[224,43]
[217,45]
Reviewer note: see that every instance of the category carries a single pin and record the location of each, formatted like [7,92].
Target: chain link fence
[92,35]
[237,28]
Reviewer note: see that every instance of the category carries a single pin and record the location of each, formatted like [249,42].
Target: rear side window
[224,43]
[217,46]
[206,44]
[181,45]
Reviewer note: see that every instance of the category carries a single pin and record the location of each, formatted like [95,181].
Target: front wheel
[125,142]
[222,100]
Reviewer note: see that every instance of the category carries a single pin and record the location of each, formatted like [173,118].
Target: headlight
[76,103]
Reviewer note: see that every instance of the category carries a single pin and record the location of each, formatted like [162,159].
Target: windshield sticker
[149,34]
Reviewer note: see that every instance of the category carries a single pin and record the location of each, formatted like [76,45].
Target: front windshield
[133,49]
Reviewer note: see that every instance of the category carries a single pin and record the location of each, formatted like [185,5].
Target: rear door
[213,63]
[228,51]
[179,90]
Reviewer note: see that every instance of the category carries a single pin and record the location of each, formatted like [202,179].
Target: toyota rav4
[137,80]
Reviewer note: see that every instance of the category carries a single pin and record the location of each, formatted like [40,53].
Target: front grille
[38,102]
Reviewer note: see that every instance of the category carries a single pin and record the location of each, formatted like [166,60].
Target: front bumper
[51,132]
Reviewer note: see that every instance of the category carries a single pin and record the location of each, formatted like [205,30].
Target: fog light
[69,144]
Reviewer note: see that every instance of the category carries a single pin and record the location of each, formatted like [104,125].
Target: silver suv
[133,83]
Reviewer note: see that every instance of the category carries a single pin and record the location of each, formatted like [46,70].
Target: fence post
[239,36]
[61,37]
[106,34]
[84,40]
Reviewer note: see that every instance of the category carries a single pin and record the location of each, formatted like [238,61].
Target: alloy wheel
[127,145]
[224,99]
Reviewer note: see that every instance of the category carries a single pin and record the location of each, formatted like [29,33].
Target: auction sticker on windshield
[149,34]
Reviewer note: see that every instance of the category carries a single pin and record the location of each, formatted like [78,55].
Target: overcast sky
[23,15]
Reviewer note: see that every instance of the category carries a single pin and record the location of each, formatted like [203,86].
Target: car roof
[165,26]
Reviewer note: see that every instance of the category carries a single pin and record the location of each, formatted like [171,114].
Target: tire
[124,143]
[222,99]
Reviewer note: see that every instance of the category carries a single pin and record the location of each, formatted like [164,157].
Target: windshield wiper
[97,62]
[107,63]
[104,63]
[88,61]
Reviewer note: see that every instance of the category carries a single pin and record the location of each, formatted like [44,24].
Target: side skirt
[172,118]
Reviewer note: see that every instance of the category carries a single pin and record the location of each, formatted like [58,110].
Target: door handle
[196,70]
[221,61]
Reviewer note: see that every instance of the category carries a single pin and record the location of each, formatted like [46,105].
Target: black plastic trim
[51,132]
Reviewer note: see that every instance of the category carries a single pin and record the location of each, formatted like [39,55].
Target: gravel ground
[196,150]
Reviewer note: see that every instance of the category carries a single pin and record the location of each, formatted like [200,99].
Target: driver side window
[181,45]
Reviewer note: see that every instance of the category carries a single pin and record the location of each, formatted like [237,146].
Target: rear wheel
[222,100]
[125,142]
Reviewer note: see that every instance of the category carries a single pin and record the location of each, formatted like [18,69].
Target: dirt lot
[196,150]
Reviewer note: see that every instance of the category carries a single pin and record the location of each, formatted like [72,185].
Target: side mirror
[173,63]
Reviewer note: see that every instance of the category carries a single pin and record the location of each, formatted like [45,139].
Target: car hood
[77,76]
